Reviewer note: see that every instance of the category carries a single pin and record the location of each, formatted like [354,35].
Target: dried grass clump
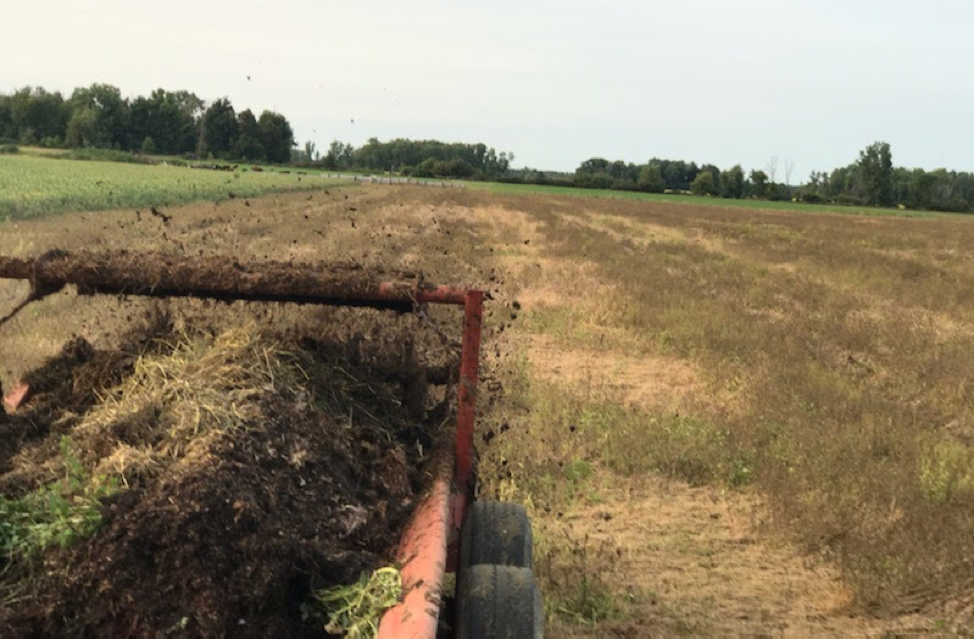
[180,398]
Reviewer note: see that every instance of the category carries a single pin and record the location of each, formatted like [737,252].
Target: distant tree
[840,181]
[27,135]
[773,168]
[504,161]
[83,129]
[703,184]
[51,142]
[594,173]
[875,168]
[964,188]
[220,129]
[651,179]
[593,180]
[248,145]
[36,114]
[188,103]
[339,155]
[789,167]
[454,168]
[276,136]
[732,182]
[7,131]
[759,181]
[717,176]
[403,154]
[426,168]
[111,114]
[175,121]
[169,118]
[148,146]
[815,190]
[817,179]
[678,174]
[594,165]
[623,175]
[310,151]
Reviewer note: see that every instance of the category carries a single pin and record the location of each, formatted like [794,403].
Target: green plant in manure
[59,513]
[354,610]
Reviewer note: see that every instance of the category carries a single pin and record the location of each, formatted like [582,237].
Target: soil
[233,541]
[64,387]
[166,275]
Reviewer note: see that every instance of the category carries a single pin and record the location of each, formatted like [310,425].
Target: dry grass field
[723,421]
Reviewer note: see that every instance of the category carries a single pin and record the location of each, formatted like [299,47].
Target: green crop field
[539,189]
[35,186]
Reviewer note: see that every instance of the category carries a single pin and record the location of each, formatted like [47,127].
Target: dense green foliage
[31,186]
[180,123]
[175,122]
[870,181]
[420,158]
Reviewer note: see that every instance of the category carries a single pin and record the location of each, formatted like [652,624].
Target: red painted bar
[422,553]
[425,546]
[393,292]
[469,366]
[17,396]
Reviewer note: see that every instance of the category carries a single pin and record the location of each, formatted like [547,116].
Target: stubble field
[722,420]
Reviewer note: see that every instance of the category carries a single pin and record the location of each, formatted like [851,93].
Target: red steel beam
[422,553]
[392,292]
[467,402]
[425,550]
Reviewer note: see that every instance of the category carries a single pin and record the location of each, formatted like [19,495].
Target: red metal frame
[429,543]
[17,396]
[469,368]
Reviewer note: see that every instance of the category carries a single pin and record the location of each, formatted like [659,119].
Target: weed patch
[354,610]
[57,514]
[579,582]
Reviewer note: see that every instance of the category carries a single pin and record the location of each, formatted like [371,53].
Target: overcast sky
[554,82]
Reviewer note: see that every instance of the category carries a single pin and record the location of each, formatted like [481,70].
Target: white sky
[556,82]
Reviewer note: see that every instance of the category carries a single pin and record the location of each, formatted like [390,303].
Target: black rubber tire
[499,602]
[496,532]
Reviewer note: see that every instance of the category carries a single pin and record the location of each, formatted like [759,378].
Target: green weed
[946,471]
[575,574]
[58,514]
[354,611]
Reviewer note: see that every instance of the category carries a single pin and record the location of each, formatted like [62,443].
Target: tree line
[871,180]
[166,122]
[418,158]
[181,123]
